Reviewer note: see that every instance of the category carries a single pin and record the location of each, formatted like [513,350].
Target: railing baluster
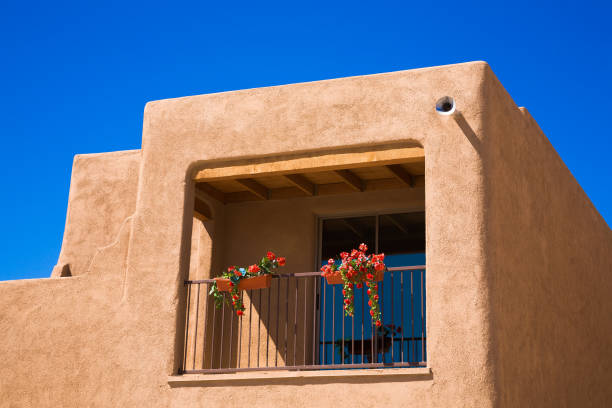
[402,313]
[324,287]
[412,317]
[250,320]
[392,318]
[315,284]
[333,324]
[195,332]
[305,318]
[295,327]
[221,337]
[422,322]
[205,325]
[187,327]
[382,319]
[276,343]
[258,325]
[286,320]
[229,357]
[268,326]
[362,321]
[240,336]
[353,337]
[212,337]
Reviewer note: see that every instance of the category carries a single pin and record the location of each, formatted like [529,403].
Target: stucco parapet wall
[103,192]
[332,114]
[341,376]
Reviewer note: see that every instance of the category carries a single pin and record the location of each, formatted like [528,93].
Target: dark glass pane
[402,233]
[344,234]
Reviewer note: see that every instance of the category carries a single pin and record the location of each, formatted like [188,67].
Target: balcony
[298,324]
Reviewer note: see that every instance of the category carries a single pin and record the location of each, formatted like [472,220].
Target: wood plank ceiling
[312,183]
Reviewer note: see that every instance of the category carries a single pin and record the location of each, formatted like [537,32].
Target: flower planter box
[257,282]
[336,278]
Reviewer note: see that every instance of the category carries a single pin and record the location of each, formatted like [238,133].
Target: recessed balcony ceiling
[334,173]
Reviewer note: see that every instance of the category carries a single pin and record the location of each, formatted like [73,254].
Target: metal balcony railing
[298,324]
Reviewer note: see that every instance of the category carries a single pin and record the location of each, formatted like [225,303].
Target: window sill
[372,374]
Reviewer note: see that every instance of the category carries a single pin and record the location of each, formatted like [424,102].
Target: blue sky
[75,78]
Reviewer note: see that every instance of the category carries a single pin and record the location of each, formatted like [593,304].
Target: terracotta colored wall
[549,259]
[102,197]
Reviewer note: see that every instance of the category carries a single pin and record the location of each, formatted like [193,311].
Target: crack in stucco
[112,244]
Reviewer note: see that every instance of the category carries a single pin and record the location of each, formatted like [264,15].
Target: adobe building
[497,291]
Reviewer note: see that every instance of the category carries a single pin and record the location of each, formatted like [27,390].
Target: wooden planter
[336,278]
[257,282]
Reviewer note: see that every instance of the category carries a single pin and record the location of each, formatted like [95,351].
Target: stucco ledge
[388,374]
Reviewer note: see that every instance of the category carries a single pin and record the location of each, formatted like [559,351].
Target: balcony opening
[297,207]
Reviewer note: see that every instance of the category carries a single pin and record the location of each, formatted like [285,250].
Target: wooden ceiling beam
[312,162]
[322,189]
[211,191]
[254,187]
[351,179]
[301,182]
[401,174]
[201,210]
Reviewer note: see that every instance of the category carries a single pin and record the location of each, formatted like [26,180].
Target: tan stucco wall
[102,197]
[550,269]
[113,335]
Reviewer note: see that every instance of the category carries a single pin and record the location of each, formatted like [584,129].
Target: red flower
[347,301]
[330,261]
[378,323]
[353,252]
[271,255]
[239,312]
[371,313]
[344,255]
[375,297]
[369,276]
[343,292]
[379,266]
[231,284]
[363,247]
[231,268]
[370,303]
[237,272]
[235,297]
[281,261]
[253,269]
[359,285]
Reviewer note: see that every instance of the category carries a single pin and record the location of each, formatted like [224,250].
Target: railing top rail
[307,274]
